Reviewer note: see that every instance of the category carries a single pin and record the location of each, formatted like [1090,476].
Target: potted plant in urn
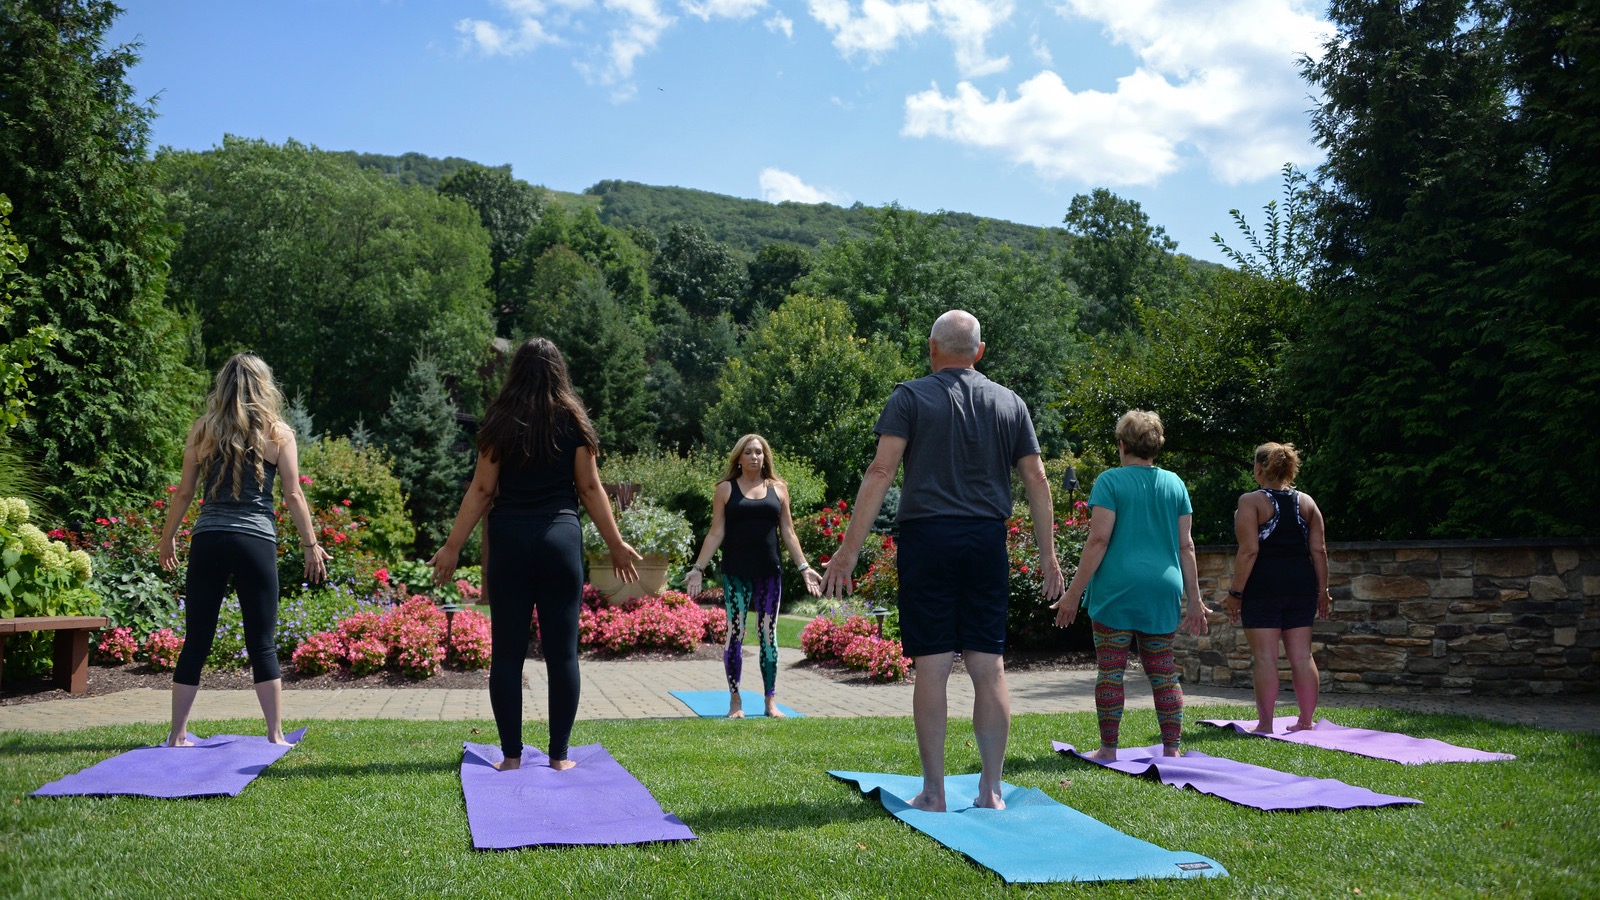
[662,536]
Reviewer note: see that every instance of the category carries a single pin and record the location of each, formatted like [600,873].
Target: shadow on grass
[779,816]
[322,770]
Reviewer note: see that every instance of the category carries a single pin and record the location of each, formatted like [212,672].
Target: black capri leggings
[535,564]
[252,562]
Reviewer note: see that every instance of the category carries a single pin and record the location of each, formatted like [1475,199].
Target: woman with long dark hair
[536,464]
[238,445]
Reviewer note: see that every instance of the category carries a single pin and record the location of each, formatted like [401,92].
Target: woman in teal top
[1139,568]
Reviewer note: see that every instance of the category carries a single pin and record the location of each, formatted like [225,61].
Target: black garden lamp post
[1070,483]
[881,613]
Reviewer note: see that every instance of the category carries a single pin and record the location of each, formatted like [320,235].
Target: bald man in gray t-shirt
[959,436]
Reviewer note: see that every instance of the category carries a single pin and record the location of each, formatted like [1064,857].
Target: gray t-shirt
[964,435]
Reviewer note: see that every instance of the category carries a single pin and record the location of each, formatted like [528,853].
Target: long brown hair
[534,408]
[242,410]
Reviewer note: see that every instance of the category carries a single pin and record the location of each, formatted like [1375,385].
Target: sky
[1001,108]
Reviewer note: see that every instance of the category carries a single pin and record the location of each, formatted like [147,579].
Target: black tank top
[1283,568]
[750,533]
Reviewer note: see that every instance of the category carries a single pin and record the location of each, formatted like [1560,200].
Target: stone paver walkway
[633,690]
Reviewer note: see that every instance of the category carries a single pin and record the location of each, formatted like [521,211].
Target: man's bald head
[957,338]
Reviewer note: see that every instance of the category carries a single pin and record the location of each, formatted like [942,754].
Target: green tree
[690,353]
[430,455]
[805,381]
[703,275]
[912,268]
[771,277]
[332,273]
[113,394]
[508,208]
[1405,371]
[606,355]
[625,265]
[1117,258]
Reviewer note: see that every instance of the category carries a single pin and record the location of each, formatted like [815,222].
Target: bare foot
[279,741]
[773,712]
[1264,726]
[927,803]
[179,741]
[1104,754]
[1172,751]
[735,707]
[1302,726]
[561,765]
[988,800]
[507,765]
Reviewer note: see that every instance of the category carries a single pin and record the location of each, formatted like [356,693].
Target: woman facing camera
[748,514]
[1138,567]
[1280,581]
[536,466]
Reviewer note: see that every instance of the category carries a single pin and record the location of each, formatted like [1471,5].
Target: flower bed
[853,640]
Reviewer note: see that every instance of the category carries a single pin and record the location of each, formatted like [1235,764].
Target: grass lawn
[373,808]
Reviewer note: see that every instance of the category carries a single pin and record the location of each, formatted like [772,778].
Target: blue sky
[1003,108]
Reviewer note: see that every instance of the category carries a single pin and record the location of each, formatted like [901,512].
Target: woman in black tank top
[1280,582]
[748,514]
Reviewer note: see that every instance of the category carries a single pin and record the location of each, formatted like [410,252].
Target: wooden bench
[72,644]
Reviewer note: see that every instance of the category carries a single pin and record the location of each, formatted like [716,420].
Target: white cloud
[778,186]
[1215,80]
[706,10]
[881,25]
[781,23]
[1040,50]
[632,28]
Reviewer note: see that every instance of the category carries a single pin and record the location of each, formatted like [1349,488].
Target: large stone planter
[653,572]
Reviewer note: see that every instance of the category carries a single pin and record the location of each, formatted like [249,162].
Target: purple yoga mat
[1241,783]
[1398,748]
[598,802]
[217,766]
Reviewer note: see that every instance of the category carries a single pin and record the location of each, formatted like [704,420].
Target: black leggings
[252,562]
[535,564]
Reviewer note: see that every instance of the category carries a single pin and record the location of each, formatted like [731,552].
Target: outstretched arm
[586,472]
[810,576]
[299,510]
[178,503]
[480,494]
[1042,510]
[869,499]
[694,579]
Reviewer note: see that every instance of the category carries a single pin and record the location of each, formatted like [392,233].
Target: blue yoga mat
[714,704]
[218,766]
[1035,838]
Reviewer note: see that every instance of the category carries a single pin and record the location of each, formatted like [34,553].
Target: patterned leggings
[740,595]
[1111,648]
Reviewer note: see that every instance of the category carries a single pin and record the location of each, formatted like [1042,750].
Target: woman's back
[1139,584]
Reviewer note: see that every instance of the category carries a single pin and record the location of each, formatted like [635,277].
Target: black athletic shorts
[954,584]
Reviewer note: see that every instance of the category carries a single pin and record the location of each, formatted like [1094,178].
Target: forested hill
[749,225]
[744,225]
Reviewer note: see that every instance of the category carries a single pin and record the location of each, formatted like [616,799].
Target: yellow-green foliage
[40,577]
[340,471]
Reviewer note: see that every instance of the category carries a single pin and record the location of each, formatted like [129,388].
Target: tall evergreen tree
[114,393]
[431,456]
[1452,348]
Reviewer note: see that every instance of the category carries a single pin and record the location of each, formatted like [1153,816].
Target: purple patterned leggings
[740,595]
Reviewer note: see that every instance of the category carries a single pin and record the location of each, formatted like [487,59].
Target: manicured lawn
[374,809]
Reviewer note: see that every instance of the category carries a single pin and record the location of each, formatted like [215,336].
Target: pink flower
[345,501]
[382,575]
[102,521]
[160,504]
[172,489]
[305,479]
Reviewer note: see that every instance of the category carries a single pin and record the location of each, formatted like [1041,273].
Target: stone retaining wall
[1432,617]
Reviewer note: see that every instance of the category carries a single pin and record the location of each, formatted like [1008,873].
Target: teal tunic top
[1139,585]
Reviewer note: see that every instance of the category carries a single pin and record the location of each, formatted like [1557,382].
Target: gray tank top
[251,513]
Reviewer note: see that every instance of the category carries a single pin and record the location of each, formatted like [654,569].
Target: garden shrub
[39,576]
[338,470]
[116,647]
[847,636]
